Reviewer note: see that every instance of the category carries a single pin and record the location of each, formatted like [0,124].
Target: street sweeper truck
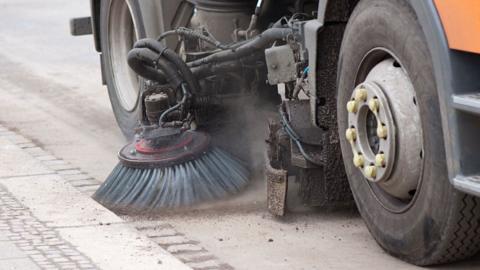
[375,102]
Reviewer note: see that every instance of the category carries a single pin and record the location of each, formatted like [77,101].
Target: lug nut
[382,131]
[371,171]
[358,160]
[380,160]
[361,94]
[352,106]
[373,104]
[351,135]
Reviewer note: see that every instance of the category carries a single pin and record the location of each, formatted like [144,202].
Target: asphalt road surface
[51,92]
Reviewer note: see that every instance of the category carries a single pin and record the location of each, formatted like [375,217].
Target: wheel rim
[385,131]
[121,37]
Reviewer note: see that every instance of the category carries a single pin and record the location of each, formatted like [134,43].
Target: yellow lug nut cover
[373,104]
[361,94]
[382,131]
[380,160]
[352,106]
[371,171]
[358,160]
[351,134]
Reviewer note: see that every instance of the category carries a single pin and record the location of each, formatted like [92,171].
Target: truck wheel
[118,35]
[391,139]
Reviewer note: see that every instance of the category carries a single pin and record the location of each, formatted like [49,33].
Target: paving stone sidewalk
[27,243]
[49,221]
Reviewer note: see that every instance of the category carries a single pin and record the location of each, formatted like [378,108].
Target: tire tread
[465,239]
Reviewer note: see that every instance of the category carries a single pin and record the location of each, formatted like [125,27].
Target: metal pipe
[260,42]
[174,108]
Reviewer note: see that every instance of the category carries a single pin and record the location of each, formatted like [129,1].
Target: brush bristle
[214,175]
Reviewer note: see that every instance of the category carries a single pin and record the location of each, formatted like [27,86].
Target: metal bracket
[311,42]
[81,26]
[311,136]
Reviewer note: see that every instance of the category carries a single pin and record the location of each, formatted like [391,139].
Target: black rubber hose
[143,65]
[172,57]
[144,60]
[204,71]
[260,42]
[211,69]
[172,75]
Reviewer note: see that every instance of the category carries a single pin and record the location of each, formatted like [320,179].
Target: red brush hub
[145,147]
[166,149]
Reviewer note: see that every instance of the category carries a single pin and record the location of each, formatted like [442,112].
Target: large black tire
[116,30]
[442,224]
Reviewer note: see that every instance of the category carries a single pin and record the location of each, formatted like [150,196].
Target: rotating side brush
[171,170]
[169,165]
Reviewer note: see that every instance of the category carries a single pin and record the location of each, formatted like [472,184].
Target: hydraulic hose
[211,69]
[172,57]
[261,41]
[154,61]
[150,59]
[236,65]
[142,62]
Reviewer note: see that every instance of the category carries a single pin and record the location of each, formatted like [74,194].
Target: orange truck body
[461,21]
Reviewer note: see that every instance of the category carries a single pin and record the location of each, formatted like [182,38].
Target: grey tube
[262,41]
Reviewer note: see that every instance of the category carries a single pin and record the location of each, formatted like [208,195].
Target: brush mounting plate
[178,149]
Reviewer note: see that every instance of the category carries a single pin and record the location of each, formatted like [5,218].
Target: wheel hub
[385,132]
[372,132]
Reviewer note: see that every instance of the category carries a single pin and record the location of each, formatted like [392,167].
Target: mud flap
[276,168]
[277,185]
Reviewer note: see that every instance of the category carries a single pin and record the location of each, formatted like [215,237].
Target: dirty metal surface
[298,112]
[311,136]
[298,160]
[281,65]
[278,145]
